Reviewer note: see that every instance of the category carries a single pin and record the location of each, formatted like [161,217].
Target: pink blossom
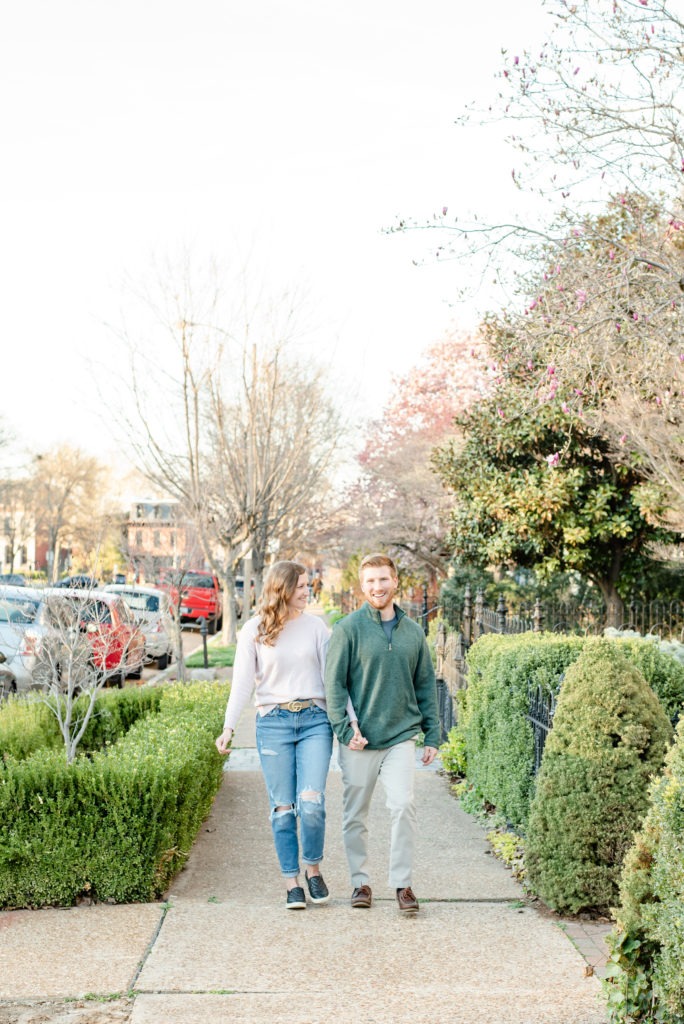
[618,328]
[530,364]
[553,460]
[659,400]
[578,392]
[681,357]
[516,60]
[611,254]
[635,316]
[444,210]
[550,370]
[501,413]
[565,407]
[576,71]
[581,297]
[623,438]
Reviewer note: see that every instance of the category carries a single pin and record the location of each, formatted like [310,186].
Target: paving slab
[234,854]
[406,1006]
[72,952]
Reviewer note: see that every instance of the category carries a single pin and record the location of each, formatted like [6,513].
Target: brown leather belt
[297,705]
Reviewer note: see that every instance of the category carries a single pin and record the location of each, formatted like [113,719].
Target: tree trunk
[615,606]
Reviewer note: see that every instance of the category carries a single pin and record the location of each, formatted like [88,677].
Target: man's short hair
[376,560]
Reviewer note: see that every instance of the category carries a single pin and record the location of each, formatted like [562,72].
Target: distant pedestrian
[379,659]
[280,657]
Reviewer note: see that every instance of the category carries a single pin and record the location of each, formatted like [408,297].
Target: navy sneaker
[295,898]
[318,890]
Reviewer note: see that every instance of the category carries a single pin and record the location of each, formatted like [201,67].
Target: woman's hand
[357,742]
[223,741]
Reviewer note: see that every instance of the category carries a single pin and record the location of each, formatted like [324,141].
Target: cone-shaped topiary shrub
[609,736]
[645,977]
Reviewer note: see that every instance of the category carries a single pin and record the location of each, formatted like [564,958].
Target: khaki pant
[395,767]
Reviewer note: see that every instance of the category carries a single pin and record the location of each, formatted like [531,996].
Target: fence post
[440,647]
[479,614]
[467,616]
[501,614]
[537,617]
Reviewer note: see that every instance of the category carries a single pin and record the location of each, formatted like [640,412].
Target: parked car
[240,596]
[152,611]
[18,609]
[45,630]
[194,595]
[15,579]
[8,683]
[78,582]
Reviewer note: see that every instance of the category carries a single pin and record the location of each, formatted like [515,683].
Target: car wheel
[219,624]
[163,660]
[7,687]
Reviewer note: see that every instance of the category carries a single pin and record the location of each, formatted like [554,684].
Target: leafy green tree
[537,486]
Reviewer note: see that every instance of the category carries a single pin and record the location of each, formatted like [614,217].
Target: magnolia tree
[607,313]
[597,116]
[536,485]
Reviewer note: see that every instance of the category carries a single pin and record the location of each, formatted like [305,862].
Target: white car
[18,610]
[152,611]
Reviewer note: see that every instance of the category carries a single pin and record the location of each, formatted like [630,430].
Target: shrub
[656,660]
[119,824]
[453,752]
[29,725]
[609,737]
[645,980]
[498,735]
[499,740]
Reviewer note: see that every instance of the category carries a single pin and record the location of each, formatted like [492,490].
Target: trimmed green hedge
[499,740]
[117,825]
[609,737]
[28,725]
[645,981]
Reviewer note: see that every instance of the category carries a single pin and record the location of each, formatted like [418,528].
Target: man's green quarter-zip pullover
[391,682]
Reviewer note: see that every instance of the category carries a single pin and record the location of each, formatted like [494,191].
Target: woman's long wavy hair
[273,611]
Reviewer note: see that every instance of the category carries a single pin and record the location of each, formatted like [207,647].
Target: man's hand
[223,741]
[357,742]
[429,754]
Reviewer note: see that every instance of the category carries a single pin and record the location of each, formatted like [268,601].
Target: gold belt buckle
[296,705]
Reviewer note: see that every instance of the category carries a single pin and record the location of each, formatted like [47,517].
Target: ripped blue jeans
[295,749]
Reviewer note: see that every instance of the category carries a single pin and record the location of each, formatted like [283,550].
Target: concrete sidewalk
[225,946]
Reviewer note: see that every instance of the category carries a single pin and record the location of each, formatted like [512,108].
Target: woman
[281,656]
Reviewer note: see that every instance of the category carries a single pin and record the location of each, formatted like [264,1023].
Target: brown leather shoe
[362,897]
[407,901]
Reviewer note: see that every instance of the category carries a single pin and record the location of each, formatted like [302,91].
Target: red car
[114,644]
[195,595]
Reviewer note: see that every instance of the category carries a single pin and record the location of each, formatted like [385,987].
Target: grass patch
[218,657]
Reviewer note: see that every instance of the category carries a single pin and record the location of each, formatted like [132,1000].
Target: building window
[172,539]
[156,538]
[138,538]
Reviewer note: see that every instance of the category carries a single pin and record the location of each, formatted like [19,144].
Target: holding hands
[357,742]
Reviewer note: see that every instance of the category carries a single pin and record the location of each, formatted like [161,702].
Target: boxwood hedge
[117,824]
[498,735]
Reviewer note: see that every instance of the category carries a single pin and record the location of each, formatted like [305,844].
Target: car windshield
[193,579]
[138,602]
[71,611]
[19,612]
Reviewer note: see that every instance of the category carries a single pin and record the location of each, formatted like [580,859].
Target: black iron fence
[474,618]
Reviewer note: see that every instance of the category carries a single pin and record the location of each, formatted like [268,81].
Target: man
[379,658]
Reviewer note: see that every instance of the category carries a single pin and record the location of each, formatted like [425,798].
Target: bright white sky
[290,131]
